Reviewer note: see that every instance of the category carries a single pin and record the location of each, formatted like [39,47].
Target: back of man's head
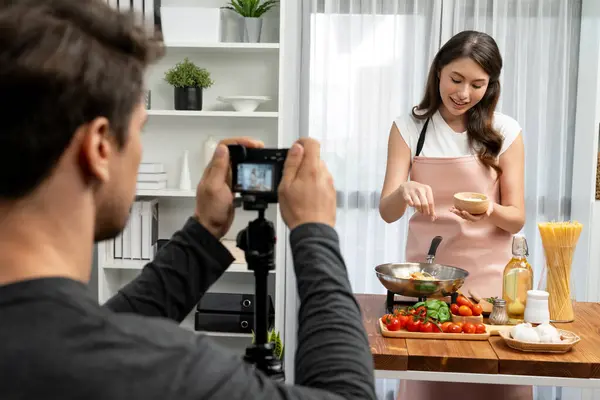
[63,63]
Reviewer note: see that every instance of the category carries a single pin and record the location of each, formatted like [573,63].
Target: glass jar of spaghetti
[559,240]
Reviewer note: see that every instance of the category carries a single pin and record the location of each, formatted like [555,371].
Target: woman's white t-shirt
[442,141]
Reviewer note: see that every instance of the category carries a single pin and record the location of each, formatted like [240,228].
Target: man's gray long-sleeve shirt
[57,342]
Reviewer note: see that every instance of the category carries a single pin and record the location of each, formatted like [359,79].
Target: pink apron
[480,247]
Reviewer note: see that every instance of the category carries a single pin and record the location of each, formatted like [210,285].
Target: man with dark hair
[71,86]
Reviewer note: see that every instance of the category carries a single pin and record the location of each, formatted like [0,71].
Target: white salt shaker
[536,307]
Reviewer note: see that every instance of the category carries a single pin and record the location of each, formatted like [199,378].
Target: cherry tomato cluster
[414,320]
[417,320]
[459,327]
[465,308]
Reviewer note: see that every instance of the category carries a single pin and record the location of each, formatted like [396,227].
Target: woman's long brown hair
[482,49]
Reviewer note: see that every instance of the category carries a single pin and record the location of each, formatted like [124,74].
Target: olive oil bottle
[517,280]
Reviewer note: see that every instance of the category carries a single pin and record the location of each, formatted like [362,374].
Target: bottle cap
[499,302]
[519,246]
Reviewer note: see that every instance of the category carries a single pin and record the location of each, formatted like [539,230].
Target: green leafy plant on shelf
[273,337]
[251,8]
[187,74]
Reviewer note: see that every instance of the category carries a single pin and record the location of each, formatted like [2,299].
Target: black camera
[256,173]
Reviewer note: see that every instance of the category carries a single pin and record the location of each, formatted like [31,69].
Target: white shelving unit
[226,46]
[237,69]
[222,114]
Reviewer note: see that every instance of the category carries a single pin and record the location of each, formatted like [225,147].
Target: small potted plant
[252,12]
[188,81]
[273,337]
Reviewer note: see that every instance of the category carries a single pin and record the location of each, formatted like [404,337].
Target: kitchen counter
[490,361]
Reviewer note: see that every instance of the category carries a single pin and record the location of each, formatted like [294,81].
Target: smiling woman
[454,141]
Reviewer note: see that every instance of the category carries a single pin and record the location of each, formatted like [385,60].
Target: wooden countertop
[484,357]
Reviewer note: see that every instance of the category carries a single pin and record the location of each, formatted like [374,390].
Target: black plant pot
[188,98]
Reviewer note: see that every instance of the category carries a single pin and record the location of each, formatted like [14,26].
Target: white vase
[252,29]
[210,145]
[185,181]
[231,26]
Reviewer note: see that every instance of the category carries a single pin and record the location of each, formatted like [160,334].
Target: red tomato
[426,327]
[465,311]
[394,325]
[403,320]
[387,318]
[463,301]
[454,309]
[453,328]
[477,310]
[445,326]
[413,326]
[479,328]
[398,312]
[459,324]
[469,328]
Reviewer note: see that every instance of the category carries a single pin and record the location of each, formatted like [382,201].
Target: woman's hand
[473,218]
[419,196]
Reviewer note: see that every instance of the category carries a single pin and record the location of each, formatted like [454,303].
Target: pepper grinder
[499,315]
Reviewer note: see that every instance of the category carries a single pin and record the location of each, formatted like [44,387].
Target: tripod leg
[262,311]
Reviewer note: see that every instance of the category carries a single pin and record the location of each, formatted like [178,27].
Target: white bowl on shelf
[244,103]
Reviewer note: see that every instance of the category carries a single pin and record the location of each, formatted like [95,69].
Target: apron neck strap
[421,140]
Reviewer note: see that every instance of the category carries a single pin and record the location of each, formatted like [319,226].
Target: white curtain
[366,62]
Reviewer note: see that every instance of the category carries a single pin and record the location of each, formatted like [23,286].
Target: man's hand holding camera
[306,191]
[214,198]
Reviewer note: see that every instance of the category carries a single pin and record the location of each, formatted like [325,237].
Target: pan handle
[433,249]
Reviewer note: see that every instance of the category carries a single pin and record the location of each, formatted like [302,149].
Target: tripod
[257,241]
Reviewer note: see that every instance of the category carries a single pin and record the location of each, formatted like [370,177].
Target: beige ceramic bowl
[473,203]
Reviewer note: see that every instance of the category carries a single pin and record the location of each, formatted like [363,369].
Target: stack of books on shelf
[151,176]
[139,238]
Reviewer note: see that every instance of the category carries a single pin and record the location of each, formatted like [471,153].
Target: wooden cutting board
[491,330]
[403,333]
[494,330]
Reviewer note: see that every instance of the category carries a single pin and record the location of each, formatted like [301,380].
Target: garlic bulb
[548,333]
[525,333]
[518,328]
[546,329]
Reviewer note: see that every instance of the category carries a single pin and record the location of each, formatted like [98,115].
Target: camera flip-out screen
[256,173]
[254,177]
